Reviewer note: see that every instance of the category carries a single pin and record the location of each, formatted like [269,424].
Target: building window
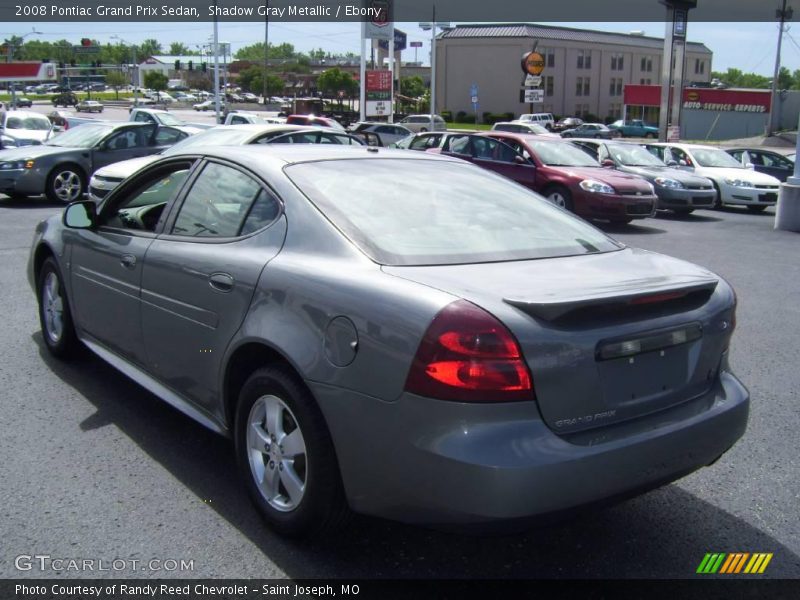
[644,81]
[615,111]
[548,85]
[699,66]
[615,87]
[584,59]
[549,56]
[647,64]
[582,86]
[617,62]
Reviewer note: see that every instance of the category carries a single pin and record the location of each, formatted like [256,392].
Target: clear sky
[747,46]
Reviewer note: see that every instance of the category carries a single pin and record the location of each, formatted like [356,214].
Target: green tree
[252,80]
[149,47]
[156,80]
[117,79]
[331,81]
[255,52]
[412,86]
[180,49]
[785,79]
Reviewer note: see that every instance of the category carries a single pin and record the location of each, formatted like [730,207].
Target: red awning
[702,98]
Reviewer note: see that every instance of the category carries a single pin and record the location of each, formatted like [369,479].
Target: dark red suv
[561,172]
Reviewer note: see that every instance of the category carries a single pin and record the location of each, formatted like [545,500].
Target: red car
[313,120]
[562,173]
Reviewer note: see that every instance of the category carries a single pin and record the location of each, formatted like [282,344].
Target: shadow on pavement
[635,228]
[663,534]
[32,202]
[690,218]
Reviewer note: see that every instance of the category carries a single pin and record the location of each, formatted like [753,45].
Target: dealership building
[585,71]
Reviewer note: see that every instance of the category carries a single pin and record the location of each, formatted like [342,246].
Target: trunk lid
[607,337]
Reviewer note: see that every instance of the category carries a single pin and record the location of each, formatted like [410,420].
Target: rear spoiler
[551,311]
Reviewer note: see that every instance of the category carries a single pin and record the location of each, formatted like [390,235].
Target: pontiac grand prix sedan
[395,333]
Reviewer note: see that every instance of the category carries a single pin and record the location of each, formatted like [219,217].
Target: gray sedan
[395,333]
[679,191]
[61,168]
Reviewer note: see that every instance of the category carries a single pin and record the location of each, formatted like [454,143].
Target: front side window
[219,202]
[142,208]
[135,137]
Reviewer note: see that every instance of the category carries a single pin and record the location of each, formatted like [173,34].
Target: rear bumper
[613,206]
[419,460]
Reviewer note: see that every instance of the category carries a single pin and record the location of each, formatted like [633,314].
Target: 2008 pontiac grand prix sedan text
[395,333]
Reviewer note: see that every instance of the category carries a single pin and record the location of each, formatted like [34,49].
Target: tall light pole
[266,50]
[9,56]
[432,26]
[783,14]
[134,69]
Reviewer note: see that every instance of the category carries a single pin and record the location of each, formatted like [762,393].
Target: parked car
[63,120]
[65,99]
[24,128]
[153,115]
[250,98]
[314,120]
[571,179]
[519,127]
[677,190]
[633,128]
[61,167]
[764,161]
[425,141]
[736,185]
[346,349]
[388,133]
[567,123]
[240,117]
[421,123]
[546,120]
[588,130]
[106,179]
[23,102]
[206,105]
[89,106]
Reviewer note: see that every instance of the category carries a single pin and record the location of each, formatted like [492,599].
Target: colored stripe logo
[734,563]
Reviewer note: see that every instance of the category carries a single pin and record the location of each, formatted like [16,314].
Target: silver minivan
[419,123]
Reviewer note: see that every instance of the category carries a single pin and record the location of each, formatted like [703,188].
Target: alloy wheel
[53,307]
[67,186]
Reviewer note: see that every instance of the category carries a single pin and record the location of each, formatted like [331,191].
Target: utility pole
[782,15]
[266,52]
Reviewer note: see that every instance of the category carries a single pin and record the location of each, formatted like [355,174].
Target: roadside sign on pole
[533,80]
[474,99]
[533,96]
[473,89]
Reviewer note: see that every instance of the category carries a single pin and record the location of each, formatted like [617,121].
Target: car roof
[289,154]
[682,145]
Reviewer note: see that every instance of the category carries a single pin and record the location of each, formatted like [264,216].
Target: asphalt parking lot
[96,467]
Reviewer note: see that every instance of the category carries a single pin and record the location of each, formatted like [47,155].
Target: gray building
[585,71]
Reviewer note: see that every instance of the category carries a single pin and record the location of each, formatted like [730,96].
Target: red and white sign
[27,71]
[379,81]
[379,27]
[753,101]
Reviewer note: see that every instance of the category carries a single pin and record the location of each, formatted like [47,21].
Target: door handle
[222,282]
[128,261]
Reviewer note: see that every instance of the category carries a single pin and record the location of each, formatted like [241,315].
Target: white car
[546,120]
[421,123]
[736,184]
[209,105]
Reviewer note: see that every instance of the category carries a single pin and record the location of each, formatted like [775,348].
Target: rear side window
[224,202]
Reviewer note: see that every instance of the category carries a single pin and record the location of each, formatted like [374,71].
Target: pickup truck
[633,128]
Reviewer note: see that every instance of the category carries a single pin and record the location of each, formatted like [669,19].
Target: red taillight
[656,298]
[467,355]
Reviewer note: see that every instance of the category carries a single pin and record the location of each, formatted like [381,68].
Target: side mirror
[607,162]
[683,163]
[750,166]
[520,160]
[58,129]
[672,163]
[80,215]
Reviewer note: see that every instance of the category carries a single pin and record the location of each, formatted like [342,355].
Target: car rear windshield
[212,137]
[28,122]
[711,157]
[431,212]
[634,156]
[82,136]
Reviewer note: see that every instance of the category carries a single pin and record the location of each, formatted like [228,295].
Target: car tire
[55,316]
[66,183]
[423,130]
[616,134]
[756,209]
[299,490]
[560,196]
[649,135]
[717,204]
